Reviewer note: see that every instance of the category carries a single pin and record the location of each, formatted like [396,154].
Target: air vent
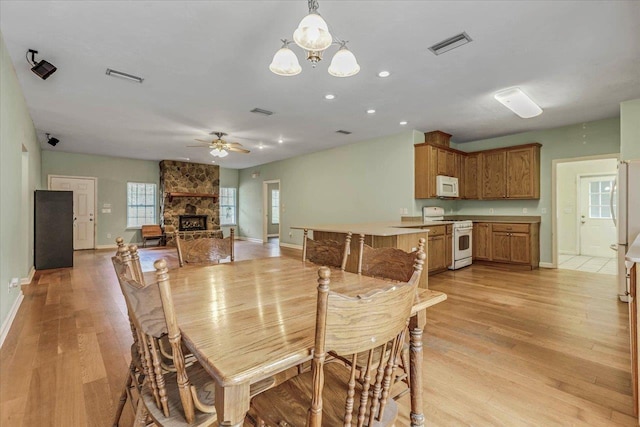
[450,43]
[262,111]
[344,132]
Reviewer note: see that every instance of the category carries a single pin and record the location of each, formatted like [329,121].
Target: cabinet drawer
[511,228]
[437,230]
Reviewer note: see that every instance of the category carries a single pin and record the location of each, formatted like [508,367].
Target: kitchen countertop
[388,228]
[513,219]
[633,254]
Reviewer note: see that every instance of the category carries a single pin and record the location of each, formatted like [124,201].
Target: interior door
[83,208]
[597,231]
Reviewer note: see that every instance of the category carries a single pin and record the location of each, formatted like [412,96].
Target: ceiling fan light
[344,64]
[285,63]
[313,33]
[217,152]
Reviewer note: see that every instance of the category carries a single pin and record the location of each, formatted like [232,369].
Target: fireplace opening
[192,222]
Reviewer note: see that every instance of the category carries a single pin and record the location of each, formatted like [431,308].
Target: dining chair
[207,249]
[374,323]
[397,265]
[326,252]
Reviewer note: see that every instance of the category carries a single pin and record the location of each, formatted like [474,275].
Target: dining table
[247,321]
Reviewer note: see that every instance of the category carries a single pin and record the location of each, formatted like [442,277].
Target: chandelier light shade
[344,64]
[216,152]
[285,62]
[313,33]
[314,37]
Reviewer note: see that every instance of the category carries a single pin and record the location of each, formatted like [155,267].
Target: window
[599,199]
[141,204]
[227,206]
[275,206]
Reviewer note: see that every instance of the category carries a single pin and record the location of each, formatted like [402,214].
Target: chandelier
[313,36]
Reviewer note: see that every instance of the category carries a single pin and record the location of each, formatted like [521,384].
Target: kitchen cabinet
[431,161]
[470,176]
[511,173]
[510,243]
[437,253]
[481,246]
[448,245]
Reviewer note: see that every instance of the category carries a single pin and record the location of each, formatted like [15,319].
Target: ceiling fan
[219,147]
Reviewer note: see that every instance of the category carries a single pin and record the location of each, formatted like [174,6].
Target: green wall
[18,140]
[630,130]
[363,182]
[113,173]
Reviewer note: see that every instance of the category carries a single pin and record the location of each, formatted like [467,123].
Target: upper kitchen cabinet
[431,161]
[470,181]
[511,173]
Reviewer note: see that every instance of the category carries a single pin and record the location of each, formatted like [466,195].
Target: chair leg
[140,419]
[123,399]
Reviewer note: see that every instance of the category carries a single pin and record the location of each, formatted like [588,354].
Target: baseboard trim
[27,280]
[114,246]
[290,246]
[546,265]
[250,239]
[6,325]
[273,235]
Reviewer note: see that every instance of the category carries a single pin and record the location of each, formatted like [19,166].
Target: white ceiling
[205,66]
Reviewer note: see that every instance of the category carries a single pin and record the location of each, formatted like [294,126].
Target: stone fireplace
[189,190]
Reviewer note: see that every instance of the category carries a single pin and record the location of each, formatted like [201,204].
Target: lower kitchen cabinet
[448,246]
[516,244]
[439,254]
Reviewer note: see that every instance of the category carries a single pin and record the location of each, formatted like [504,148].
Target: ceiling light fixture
[384,74]
[42,69]
[127,76]
[518,102]
[329,96]
[219,152]
[314,37]
[404,122]
[280,141]
[371,111]
[52,141]
[261,146]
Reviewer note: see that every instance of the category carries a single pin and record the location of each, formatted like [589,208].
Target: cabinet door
[493,175]
[442,162]
[426,159]
[448,259]
[521,168]
[437,252]
[471,181]
[520,248]
[500,246]
[481,247]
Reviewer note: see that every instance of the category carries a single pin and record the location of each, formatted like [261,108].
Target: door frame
[579,206]
[554,197]
[265,207]
[95,199]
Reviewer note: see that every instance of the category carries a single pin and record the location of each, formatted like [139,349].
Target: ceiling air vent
[344,132]
[262,111]
[450,43]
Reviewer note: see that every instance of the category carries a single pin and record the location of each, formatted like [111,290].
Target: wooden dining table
[249,320]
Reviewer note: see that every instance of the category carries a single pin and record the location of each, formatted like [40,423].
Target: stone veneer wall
[185,177]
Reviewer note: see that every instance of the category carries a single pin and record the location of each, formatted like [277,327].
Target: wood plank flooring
[545,347]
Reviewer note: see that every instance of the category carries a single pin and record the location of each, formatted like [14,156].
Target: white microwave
[446,186]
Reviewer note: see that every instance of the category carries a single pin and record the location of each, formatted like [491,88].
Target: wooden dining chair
[209,249]
[329,395]
[397,265]
[330,253]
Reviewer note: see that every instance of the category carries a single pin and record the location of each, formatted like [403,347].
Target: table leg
[232,404]
[416,326]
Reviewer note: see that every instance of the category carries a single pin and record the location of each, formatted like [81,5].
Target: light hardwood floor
[545,347]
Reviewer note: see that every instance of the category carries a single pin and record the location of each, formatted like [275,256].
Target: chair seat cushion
[289,402]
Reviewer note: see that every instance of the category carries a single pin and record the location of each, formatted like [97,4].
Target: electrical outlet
[405,211]
[543,211]
[524,210]
[108,235]
[13,283]
[490,210]
[290,234]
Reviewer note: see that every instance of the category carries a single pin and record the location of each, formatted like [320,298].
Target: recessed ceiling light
[329,96]
[518,102]
[261,146]
[371,111]
[404,122]
[280,141]
[384,74]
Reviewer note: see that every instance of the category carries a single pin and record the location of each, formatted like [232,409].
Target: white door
[83,208]
[597,231]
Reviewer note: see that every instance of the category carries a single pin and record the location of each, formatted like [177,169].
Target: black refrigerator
[53,246]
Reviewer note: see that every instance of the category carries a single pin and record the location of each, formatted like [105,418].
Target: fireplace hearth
[192,222]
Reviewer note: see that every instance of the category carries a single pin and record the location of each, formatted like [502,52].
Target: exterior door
[84,192]
[597,231]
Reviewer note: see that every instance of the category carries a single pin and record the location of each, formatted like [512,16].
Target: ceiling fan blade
[205,141]
[233,144]
[238,150]
[199,146]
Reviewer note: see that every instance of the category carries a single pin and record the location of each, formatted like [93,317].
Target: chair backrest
[152,313]
[374,323]
[207,249]
[388,263]
[326,252]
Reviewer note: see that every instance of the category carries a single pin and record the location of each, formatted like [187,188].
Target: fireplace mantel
[172,194]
